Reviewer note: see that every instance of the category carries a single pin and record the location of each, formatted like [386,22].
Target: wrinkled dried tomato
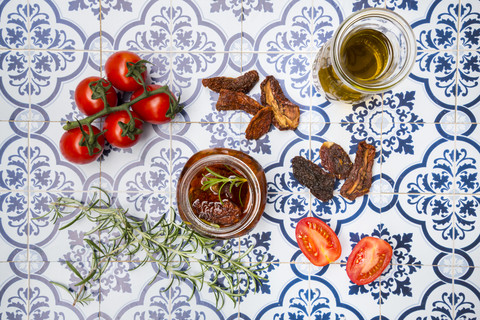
[243,83]
[232,100]
[286,114]
[335,160]
[360,178]
[215,212]
[310,175]
[260,124]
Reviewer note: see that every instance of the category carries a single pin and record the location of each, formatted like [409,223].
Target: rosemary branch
[171,245]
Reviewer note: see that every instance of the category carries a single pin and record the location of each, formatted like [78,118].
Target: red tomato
[116,70]
[73,152]
[113,132]
[154,108]
[318,241]
[368,260]
[83,97]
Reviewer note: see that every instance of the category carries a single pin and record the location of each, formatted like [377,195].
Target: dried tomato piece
[310,175]
[286,113]
[243,83]
[360,178]
[214,212]
[232,100]
[260,124]
[335,160]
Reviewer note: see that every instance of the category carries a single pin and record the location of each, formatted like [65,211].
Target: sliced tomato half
[369,258]
[318,241]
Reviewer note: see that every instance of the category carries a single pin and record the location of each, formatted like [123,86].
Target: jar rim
[253,184]
[369,87]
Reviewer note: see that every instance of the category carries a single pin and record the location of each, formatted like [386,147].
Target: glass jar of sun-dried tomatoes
[221,193]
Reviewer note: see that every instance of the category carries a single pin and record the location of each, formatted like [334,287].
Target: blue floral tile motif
[396,279]
[389,128]
[241,9]
[299,302]
[470,25]
[14,31]
[441,302]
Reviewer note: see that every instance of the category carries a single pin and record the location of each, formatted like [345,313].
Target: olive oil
[365,54]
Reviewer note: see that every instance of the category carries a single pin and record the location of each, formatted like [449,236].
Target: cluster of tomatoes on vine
[97,98]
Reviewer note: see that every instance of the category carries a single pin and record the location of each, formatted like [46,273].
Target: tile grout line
[169,82]
[29,158]
[100,17]
[459,15]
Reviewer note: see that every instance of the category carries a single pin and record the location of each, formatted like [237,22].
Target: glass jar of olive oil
[371,51]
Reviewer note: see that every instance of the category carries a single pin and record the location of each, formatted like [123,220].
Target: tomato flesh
[369,258]
[318,241]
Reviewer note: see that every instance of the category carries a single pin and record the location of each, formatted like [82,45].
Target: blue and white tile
[54,27]
[291,295]
[260,17]
[14,222]
[124,23]
[444,15]
[14,33]
[139,297]
[426,297]
[188,70]
[467,179]
[54,76]
[434,213]
[338,112]
[223,18]
[202,304]
[437,72]
[467,238]
[48,241]
[47,297]
[469,25]
[412,238]
[141,203]
[15,83]
[54,99]
[410,103]
[351,301]
[466,294]
[14,293]
[421,163]
[468,90]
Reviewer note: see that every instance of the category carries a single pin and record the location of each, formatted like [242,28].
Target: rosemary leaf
[173,246]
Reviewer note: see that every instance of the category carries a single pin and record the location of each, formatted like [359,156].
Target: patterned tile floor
[425,199]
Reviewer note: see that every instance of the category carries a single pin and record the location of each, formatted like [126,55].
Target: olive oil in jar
[365,54]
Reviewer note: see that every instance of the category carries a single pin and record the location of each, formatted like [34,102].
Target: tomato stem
[124,106]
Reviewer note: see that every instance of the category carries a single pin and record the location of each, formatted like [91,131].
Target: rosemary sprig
[235,181]
[171,245]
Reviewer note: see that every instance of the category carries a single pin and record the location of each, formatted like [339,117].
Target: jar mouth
[253,205]
[402,47]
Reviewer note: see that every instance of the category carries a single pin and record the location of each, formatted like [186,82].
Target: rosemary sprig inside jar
[214,179]
[173,246]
